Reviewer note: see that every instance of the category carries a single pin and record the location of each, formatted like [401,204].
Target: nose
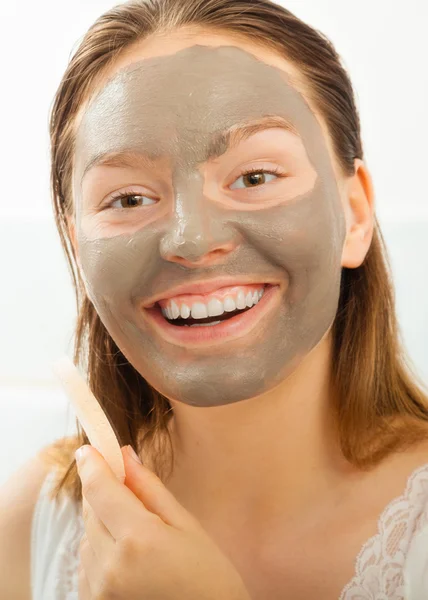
[195,235]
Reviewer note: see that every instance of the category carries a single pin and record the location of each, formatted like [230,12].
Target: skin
[263,399]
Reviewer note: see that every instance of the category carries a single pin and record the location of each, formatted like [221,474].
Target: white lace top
[392,565]
[57,529]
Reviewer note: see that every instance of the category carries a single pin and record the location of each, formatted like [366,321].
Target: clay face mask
[290,230]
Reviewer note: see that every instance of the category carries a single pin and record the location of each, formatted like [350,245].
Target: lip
[235,327]
[205,287]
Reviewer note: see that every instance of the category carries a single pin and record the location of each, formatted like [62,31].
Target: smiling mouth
[221,329]
[199,321]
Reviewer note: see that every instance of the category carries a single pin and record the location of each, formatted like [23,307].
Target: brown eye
[127,200]
[256,177]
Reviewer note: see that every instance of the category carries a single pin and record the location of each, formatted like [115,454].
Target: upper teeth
[213,307]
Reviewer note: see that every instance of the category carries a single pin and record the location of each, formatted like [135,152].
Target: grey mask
[173,107]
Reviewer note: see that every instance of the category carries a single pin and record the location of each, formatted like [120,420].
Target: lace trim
[67,583]
[379,566]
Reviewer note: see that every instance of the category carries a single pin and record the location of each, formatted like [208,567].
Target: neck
[272,457]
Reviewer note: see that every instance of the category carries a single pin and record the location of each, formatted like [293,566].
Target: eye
[256,177]
[129,199]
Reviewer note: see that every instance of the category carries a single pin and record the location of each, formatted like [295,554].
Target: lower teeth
[203,324]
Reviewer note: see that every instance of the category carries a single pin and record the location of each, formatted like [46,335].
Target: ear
[359,210]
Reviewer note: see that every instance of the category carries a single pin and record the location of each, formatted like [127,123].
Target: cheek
[106,223]
[304,242]
[95,228]
[299,237]
[121,270]
[110,272]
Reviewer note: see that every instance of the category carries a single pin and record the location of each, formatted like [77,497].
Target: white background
[384,47]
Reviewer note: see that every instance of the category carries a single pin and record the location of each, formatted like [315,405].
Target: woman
[207,166]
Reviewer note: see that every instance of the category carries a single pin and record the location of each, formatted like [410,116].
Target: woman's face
[159,117]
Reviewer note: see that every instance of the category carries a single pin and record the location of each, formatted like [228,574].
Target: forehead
[176,105]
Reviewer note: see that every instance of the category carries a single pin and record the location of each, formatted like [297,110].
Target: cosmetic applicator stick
[91,416]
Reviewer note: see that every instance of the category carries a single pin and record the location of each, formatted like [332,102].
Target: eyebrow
[222,141]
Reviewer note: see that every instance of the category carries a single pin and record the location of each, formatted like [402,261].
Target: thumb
[148,488]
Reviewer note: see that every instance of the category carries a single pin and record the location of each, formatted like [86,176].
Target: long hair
[380,405]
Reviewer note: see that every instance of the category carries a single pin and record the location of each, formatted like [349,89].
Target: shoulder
[18,498]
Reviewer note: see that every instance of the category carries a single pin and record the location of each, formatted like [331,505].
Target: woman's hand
[141,544]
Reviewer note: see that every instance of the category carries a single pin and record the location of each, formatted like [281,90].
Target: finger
[150,489]
[113,503]
[94,570]
[97,536]
[85,591]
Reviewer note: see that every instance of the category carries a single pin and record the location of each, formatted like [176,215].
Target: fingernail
[81,453]
[132,453]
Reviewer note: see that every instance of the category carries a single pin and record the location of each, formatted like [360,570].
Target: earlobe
[360,202]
